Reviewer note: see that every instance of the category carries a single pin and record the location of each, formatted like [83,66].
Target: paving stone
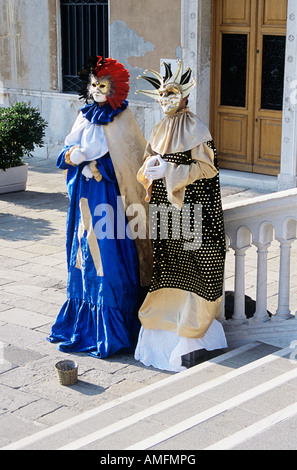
[62,413]
[23,317]
[19,336]
[19,356]
[13,427]
[12,399]
[38,409]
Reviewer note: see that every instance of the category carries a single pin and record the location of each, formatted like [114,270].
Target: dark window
[234,68]
[273,69]
[84,26]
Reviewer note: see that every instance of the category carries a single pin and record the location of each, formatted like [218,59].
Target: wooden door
[248,56]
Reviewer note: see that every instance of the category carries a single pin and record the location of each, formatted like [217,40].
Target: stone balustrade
[259,221]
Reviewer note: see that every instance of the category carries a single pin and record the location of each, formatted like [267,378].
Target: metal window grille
[84,28]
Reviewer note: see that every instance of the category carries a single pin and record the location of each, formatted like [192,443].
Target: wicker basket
[67,372]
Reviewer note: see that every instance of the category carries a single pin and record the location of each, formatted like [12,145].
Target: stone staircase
[243,399]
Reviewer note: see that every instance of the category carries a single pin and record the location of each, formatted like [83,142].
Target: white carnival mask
[170,97]
[170,90]
[99,88]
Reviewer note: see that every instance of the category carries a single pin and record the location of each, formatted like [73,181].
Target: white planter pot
[14,179]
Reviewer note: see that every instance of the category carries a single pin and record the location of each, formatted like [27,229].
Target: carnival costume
[108,267]
[180,314]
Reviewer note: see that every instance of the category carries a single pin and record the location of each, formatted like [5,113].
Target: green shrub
[21,129]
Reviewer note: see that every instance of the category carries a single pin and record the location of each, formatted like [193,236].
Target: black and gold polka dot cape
[198,270]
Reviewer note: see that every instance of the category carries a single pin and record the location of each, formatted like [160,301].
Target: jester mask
[171,89]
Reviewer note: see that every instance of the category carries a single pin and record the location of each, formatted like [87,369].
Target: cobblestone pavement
[32,289]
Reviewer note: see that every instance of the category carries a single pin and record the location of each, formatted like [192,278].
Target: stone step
[220,403]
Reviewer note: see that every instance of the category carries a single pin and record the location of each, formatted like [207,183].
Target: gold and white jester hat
[171,89]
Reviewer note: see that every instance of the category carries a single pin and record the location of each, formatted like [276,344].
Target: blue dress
[100,315]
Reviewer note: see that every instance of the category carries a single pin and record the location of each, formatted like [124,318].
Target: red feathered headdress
[118,77]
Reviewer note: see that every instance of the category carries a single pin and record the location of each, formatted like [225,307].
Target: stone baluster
[262,240]
[285,236]
[242,243]
[283,310]
[261,295]
[239,300]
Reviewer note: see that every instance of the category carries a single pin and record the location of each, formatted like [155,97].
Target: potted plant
[21,129]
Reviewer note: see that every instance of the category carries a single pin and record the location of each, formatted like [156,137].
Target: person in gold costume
[181,312]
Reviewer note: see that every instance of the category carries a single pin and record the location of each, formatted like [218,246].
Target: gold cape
[177,133]
[126,146]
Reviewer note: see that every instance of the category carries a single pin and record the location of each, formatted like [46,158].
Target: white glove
[77,156]
[155,168]
[151,161]
[87,172]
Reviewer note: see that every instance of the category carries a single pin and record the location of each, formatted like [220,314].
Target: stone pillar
[283,311]
[288,176]
[240,242]
[262,239]
[196,48]
[189,28]
[239,290]
[286,234]
[261,299]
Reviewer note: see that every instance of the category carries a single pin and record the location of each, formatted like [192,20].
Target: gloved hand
[87,172]
[155,168]
[77,156]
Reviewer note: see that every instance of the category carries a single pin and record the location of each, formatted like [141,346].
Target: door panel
[236,12]
[233,132]
[270,140]
[248,56]
[275,12]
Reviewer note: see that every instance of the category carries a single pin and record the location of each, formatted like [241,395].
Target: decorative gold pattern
[87,225]
[102,85]
[96,173]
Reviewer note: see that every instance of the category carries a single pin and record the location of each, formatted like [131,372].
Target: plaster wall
[28,44]
[142,33]
[30,67]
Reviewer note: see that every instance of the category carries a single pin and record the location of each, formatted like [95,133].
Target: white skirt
[164,349]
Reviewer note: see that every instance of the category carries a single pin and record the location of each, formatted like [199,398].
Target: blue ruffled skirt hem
[98,330]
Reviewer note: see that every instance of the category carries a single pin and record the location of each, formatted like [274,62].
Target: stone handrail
[258,221]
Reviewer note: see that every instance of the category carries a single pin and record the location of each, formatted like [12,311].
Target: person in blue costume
[109,265]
